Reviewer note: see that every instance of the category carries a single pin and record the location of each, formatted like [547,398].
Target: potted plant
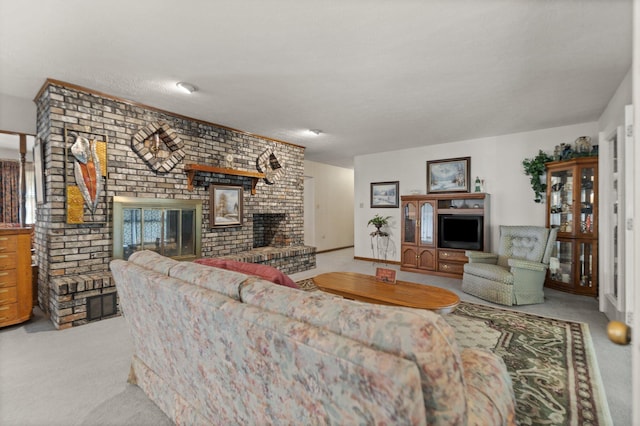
[379,221]
[535,168]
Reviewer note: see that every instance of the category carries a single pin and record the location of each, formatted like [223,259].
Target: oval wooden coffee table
[366,288]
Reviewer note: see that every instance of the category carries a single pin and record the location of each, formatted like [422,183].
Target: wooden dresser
[16,301]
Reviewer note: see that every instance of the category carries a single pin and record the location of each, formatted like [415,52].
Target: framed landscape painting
[225,208]
[385,194]
[451,175]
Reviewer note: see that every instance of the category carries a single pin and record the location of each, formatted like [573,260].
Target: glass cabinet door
[561,200]
[587,200]
[426,224]
[586,265]
[561,262]
[410,223]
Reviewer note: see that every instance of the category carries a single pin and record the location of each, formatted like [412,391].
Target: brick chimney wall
[74,259]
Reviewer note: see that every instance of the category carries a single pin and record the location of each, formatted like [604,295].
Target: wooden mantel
[191,169]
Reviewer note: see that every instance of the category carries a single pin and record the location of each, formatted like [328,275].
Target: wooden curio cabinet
[418,235]
[572,207]
[423,248]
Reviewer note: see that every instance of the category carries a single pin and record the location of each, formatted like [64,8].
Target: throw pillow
[265,272]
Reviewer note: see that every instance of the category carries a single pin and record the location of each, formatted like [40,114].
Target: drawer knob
[445,266]
[4,290]
[4,308]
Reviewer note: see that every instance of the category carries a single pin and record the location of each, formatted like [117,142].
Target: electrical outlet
[629,318]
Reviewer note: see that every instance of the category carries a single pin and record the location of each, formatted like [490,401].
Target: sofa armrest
[491,400]
[481,257]
[527,264]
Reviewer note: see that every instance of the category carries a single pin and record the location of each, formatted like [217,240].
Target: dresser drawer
[8,278]
[8,243]
[457,256]
[8,312]
[8,295]
[451,267]
[8,260]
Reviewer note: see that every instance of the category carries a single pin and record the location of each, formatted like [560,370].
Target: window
[169,227]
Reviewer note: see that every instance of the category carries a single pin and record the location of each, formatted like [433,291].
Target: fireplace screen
[169,227]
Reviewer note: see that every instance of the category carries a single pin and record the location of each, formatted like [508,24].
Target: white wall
[497,160]
[333,205]
[613,115]
[17,115]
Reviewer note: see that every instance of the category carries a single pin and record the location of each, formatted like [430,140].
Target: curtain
[10,191]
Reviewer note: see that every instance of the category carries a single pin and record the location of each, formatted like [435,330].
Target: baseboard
[370,259]
[333,249]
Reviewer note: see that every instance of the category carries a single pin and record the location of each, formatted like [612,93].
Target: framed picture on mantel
[451,175]
[226,205]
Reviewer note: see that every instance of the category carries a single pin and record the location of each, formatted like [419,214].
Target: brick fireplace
[73,258]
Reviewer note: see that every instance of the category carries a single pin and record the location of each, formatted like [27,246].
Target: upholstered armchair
[515,275]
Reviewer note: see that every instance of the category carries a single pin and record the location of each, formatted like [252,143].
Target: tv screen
[460,232]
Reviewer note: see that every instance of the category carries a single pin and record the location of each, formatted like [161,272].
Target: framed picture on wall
[385,194]
[225,205]
[451,175]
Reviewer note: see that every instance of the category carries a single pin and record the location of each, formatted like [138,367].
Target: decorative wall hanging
[85,177]
[159,146]
[451,175]
[269,164]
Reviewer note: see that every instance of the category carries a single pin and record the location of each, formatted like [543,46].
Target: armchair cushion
[522,242]
[526,264]
[481,257]
[490,272]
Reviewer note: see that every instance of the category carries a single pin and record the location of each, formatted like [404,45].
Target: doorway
[18,193]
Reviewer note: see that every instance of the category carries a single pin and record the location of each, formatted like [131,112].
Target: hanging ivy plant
[535,168]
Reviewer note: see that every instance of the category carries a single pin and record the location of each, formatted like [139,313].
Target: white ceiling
[374,75]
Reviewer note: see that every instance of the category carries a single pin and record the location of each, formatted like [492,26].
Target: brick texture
[74,259]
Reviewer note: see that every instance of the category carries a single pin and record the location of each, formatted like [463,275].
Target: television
[460,231]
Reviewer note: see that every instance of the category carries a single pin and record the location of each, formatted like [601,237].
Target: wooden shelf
[191,169]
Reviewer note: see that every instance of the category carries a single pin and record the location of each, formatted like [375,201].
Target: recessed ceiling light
[186,87]
[315,132]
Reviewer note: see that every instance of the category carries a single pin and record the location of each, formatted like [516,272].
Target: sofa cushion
[154,261]
[489,388]
[417,335]
[216,279]
[266,272]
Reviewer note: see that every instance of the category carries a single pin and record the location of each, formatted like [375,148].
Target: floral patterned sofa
[214,346]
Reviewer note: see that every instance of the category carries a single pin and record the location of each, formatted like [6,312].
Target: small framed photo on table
[386,275]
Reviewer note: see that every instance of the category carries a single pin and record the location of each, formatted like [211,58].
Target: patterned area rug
[551,362]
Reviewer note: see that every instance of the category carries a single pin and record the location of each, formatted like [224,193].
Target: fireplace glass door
[171,230]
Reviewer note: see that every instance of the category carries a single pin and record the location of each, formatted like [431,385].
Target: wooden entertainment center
[423,246]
